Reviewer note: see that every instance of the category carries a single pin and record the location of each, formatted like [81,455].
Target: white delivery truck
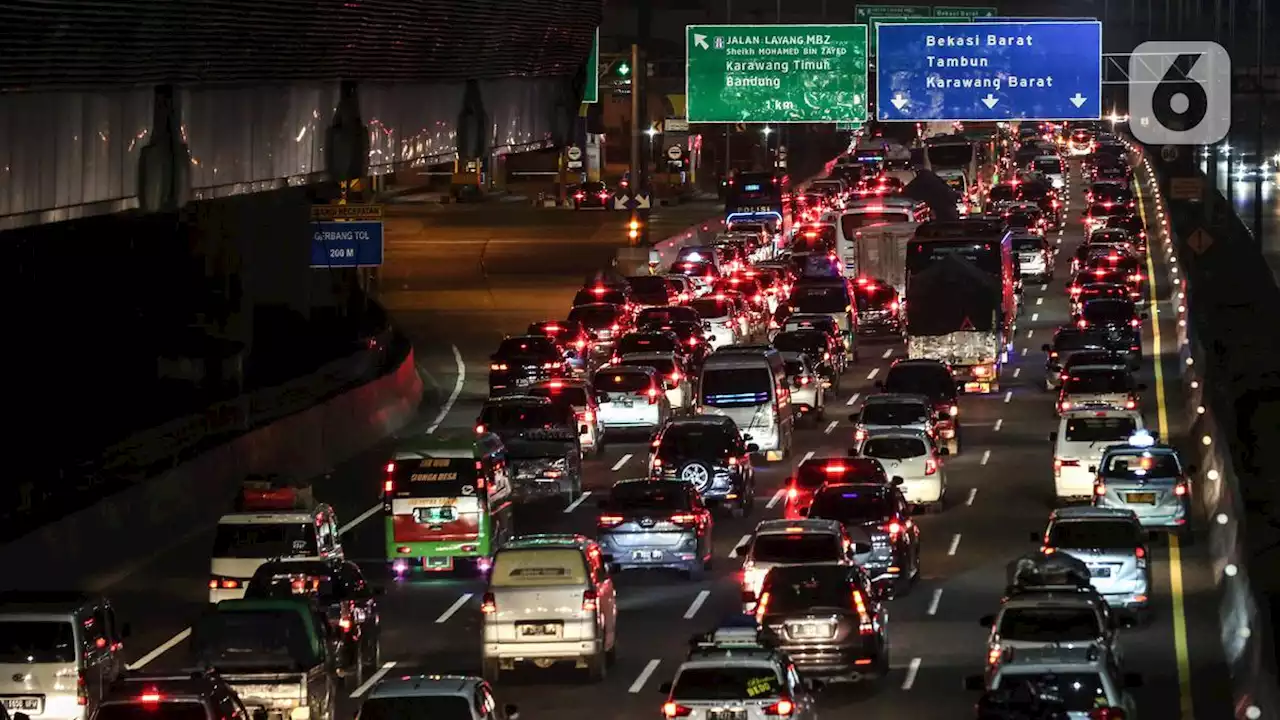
[880,252]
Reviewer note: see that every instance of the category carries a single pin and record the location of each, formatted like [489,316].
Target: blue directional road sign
[346,244]
[982,71]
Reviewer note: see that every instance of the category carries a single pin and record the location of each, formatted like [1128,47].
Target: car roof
[544,540]
[780,526]
[517,400]
[560,383]
[718,420]
[1092,513]
[898,432]
[878,488]
[651,355]
[890,398]
[425,685]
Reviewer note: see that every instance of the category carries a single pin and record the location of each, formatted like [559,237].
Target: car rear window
[665,315]
[570,396]
[1102,429]
[415,707]
[661,496]
[1095,534]
[539,347]
[594,316]
[819,472]
[24,641]
[520,415]
[905,413]
[710,309]
[264,540]
[799,591]
[850,505]
[801,547]
[166,709]
[929,380]
[1049,625]
[1097,381]
[890,448]
[530,567]
[1142,465]
[646,342]
[727,682]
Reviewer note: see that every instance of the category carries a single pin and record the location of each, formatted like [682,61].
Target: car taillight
[480,429]
[1065,405]
[864,618]
[894,529]
[615,327]
[579,196]
[675,377]
[675,710]
[993,655]
[1108,713]
[589,600]
[783,707]
[223,583]
[1134,322]
[1074,289]
[954,411]
[488,605]
[1082,323]
[548,366]
[687,519]
[1130,404]
[693,341]
[1180,489]
[498,366]
[609,521]
[653,396]
[859,435]
[980,370]
[1099,489]
[930,466]
[587,416]
[1140,553]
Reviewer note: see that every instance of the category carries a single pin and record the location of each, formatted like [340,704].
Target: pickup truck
[276,654]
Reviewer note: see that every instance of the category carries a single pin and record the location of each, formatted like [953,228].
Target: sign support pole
[1261,136]
[637,72]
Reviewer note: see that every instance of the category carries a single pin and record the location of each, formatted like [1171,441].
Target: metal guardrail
[1244,615]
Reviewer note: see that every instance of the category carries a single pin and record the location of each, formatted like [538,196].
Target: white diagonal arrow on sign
[700,41]
[899,101]
[990,101]
[1078,100]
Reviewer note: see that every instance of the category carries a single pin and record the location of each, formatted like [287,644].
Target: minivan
[749,386]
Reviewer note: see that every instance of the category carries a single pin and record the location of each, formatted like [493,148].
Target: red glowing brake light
[151,696]
[488,605]
[834,469]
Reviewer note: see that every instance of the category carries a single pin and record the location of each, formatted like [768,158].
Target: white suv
[1078,443]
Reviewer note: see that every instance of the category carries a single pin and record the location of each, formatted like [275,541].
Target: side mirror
[592,336]
[512,711]
[803,512]
[897,480]
[126,630]
[815,685]
[859,548]
[943,451]
[1142,387]
[1053,436]
[753,448]
[748,597]
[974,683]
[583,430]
[1133,680]
[987,621]
[665,688]
[1093,468]
[602,396]
[796,384]
[493,358]
[21,716]
[614,568]
[706,325]
[852,452]
[853,417]
[1046,348]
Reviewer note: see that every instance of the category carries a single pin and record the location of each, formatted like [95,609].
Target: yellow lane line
[1182,655]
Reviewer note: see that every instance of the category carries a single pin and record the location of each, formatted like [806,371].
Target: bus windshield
[951,155]
[754,192]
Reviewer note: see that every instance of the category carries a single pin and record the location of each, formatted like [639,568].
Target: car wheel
[597,667]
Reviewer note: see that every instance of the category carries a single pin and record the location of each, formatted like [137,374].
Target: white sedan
[912,456]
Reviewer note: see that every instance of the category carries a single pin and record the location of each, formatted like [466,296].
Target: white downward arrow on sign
[899,101]
[1078,100]
[700,41]
[990,101]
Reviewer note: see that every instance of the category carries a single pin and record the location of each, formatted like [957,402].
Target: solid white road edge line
[645,674]
[696,605]
[621,461]
[955,544]
[912,670]
[373,679]
[455,607]
[574,505]
[933,603]
[164,648]
[453,396]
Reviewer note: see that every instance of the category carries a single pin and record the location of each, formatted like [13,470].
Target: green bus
[447,503]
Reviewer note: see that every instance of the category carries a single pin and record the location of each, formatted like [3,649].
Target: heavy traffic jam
[716,369]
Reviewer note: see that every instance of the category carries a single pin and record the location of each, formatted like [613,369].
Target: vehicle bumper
[1073,483]
[1128,601]
[806,398]
[1152,518]
[923,491]
[679,555]
[631,420]
[556,650]
[217,596]
[843,662]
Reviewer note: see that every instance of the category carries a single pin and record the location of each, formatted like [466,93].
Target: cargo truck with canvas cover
[881,253]
[955,317]
[446,502]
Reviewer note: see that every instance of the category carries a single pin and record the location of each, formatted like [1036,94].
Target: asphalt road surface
[454,291]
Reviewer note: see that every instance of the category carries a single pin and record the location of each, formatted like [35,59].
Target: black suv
[524,360]
[340,593]
[879,308]
[827,618]
[543,444]
[177,696]
[876,514]
[820,350]
[935,381]
[709,453]
[816,472]
[1066,341]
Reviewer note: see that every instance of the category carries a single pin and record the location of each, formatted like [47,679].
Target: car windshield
[694,440]
[1027,245]
[168,709]
[820,299]
[1108,312]
[797,589]
[1096,381]
[735,387]
[875,297]
[594,317]
[1136,466]
[816,473]
[664,366]
[649,286]
[565,395]
[531,348]
[1049,624]
[932,381]
[646,342]
[1080,692]
[264,540]
[664,315]
[798,547]
[248,638]
[711,308]
[1096,534]
[27,641]
[649,495]
[611,381]
[727,682]
[894,448]
[903,413]
[850,505]
[810,342]
[1100,429]
[522,415]
[415,707]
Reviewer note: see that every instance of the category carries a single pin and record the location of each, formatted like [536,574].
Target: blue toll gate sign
[337,244]
[982,71]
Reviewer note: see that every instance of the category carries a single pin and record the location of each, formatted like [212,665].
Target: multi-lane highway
[452,290]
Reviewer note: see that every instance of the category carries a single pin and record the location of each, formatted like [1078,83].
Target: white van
[245,541]
[748,384]
[1078,444]
[550,598]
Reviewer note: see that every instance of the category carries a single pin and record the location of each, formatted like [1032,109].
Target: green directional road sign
[776,73]
[865,13]
[964,13]
[592,92]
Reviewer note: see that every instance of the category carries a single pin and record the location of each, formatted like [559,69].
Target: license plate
[624,402]
[726,714]
[1141,498]
[24,704]
[1100,572]
[437,563]
[540,630]
[808,630]
[522,382]
[646,554]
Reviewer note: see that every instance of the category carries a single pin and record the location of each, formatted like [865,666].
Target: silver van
[550,599]
[748,384]
[59,652]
